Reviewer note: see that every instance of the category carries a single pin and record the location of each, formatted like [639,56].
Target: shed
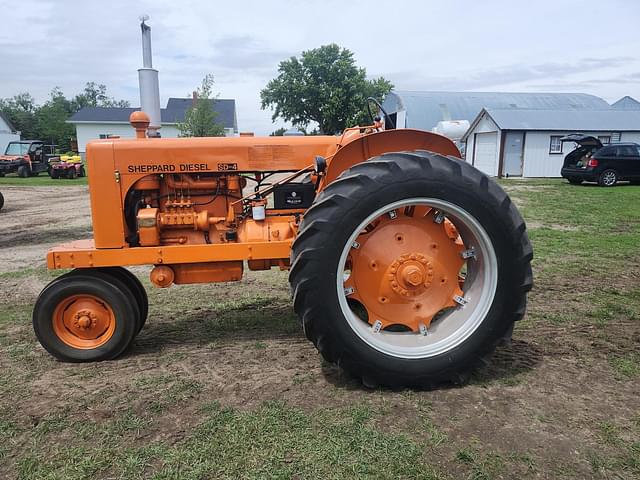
[626,103]
[526,142]
[423,110]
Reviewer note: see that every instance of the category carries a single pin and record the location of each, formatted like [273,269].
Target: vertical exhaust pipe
[148,80]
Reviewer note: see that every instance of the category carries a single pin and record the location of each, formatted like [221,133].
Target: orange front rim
[405,268]
[84,321]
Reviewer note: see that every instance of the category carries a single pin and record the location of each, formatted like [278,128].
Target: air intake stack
[148,78]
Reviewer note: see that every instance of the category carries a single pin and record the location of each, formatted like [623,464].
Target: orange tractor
[407,265]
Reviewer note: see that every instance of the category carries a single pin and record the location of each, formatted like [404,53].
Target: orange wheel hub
[84,321]
[405,268]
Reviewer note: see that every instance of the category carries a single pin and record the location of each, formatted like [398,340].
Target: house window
[615,137]
[104,136]
[604,139]
[555,145]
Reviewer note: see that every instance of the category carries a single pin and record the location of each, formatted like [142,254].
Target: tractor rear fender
[368,146]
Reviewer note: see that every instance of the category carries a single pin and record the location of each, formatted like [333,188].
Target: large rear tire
[85,318]
[376,264]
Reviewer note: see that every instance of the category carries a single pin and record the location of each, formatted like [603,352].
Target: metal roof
[626,103]
[425,109]
[562,120]
[174,113]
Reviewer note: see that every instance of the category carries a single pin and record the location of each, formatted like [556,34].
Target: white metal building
[8,133]
[100,122]
[526,142]
[424,110]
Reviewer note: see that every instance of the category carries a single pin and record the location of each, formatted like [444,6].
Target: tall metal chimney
[148,78]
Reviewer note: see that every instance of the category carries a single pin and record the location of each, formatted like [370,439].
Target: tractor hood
[582,140]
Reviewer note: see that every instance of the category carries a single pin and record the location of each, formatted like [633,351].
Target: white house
[8,133]
[526,142]
[100,122]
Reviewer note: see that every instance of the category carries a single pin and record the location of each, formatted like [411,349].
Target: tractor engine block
[191,209]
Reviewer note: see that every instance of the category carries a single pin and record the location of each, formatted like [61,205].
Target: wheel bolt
[413,276]
[84,321]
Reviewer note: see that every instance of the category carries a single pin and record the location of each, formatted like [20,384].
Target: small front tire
[126,281]
[84,318]
[136,288]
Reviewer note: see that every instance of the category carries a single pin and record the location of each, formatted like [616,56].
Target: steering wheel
[387,119]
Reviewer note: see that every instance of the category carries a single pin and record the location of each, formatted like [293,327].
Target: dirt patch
[35,219]
[552,226]
[539,401]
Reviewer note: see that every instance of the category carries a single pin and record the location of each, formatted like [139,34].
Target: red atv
[26,158]
[67,166]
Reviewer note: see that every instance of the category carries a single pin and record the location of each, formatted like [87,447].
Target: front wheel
[82,318]
[409,269]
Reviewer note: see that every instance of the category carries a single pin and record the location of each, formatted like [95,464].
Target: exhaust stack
[149,87]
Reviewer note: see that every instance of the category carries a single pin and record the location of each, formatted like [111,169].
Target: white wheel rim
[609,178]
[455,326]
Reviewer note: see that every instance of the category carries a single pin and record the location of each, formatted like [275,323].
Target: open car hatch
[582,140]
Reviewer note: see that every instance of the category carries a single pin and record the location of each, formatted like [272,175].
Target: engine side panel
[106,198]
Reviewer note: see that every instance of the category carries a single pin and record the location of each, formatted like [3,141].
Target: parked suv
[593,162]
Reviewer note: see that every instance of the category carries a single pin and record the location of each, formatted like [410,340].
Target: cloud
[505,75]
[417,45]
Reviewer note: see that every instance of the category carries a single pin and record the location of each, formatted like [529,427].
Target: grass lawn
[221,383]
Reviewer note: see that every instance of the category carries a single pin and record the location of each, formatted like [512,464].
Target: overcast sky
[553,46]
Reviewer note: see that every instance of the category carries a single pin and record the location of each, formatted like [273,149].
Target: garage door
[486,153]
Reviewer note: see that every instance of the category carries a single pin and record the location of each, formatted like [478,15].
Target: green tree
[21,111]
[95,95]
[51,120]
[324,86]
[200,118]
[48,121]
